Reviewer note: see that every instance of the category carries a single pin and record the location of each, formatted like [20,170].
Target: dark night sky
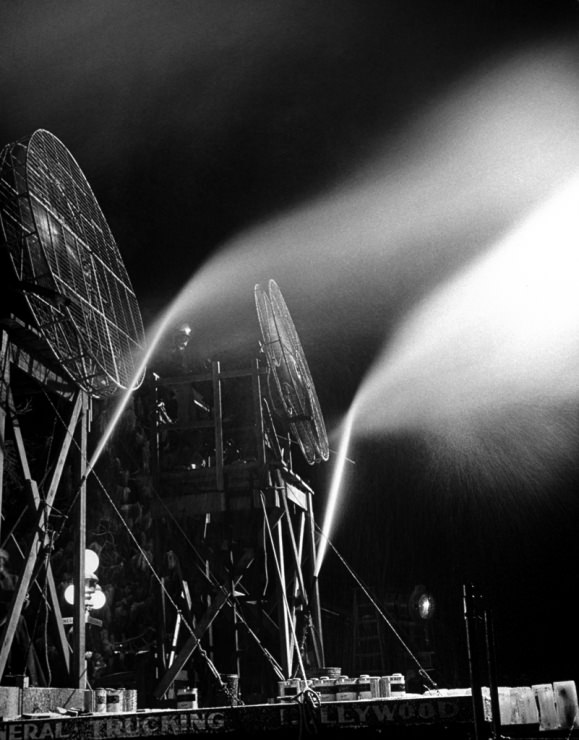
[196,121]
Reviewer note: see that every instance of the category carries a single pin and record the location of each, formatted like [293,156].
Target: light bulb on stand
[98,599]
[91,562]
[69,594]
[95,597]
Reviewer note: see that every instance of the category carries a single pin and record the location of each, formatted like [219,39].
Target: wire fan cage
[293,390]
[68,265]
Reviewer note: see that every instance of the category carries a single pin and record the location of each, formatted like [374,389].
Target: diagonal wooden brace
[38,543]
[194,639]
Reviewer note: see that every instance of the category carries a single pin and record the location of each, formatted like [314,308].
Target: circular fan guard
[68,265]
[293,392]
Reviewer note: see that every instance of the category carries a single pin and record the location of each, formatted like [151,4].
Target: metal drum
[363,687]
[115,700]
[327,689]
[384,684]
[229,693]
[100,700]
[187,698]
[288,690]
[130,702]
[346,689]
[332,672]
[397,684]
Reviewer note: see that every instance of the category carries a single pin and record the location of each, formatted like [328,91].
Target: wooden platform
[444,714]
[452,714]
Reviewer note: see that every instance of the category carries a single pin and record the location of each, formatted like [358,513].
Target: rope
[309,703]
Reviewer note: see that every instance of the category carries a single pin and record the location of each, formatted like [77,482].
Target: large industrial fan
[292,390]
[68,266]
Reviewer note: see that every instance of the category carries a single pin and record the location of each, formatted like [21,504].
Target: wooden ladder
[368,642]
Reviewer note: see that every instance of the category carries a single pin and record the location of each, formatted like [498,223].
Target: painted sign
[395,712]
[134,725]
[151,723]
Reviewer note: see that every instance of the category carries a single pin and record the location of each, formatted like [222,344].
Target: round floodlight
[68,266]
[91,562]
[97,599]
[425,606]
[421,603]
[69,594]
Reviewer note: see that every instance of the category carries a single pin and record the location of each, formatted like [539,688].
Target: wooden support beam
[21,591]
[4,385]
[39,539]
[78,666]
[313,585]
[259,426]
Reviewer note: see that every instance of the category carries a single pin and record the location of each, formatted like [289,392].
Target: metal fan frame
[68,265]
[293,390]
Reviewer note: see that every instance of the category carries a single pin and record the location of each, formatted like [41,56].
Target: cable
[309,703]
[422,671]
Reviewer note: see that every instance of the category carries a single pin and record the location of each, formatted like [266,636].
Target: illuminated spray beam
[499,337]
[501,331]
[335,488]
[487,366]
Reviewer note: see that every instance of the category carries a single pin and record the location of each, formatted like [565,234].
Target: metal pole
[472,619]
[492,668]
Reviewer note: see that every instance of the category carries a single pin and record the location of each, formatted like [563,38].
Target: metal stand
[481,657]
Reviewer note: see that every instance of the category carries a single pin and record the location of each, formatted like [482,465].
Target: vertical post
[258,424]
[472,621]
[209,599]
[156,439]
[79,619]
[314,591]
[235,621]
[285,619]
[4,384]
[218,421]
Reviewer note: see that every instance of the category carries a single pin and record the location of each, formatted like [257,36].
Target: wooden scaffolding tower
[216,463]
[27,367]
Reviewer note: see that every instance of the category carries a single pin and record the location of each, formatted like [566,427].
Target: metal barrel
[130,700]
[115,700]
[100,700]
[346,689]
[385,690]
[327,689]
[397,684]
[363,687]
[187,698]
